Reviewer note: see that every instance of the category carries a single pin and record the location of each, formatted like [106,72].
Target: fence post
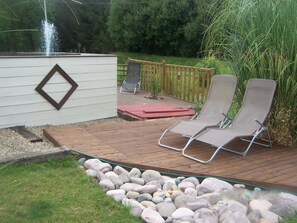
[163,78]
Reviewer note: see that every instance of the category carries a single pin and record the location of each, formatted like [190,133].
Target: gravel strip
[12,144]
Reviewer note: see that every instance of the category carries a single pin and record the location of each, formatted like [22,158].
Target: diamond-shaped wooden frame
[74,85]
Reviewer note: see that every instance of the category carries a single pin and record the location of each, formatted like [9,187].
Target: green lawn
[55,191]
[211,62]
[123,57]
[291,220]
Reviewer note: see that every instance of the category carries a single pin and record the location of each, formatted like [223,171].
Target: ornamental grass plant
[259,39]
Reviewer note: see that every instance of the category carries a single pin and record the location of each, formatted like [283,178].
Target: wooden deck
[135,144]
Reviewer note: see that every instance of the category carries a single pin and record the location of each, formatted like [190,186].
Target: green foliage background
[165,27]
[158,26]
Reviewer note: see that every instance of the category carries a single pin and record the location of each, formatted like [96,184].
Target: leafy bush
[259,39]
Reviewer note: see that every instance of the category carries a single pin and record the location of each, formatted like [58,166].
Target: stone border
[37,156]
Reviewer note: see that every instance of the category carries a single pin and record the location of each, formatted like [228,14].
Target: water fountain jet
[49,40]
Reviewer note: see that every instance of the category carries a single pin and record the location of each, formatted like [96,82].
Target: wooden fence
[181,82]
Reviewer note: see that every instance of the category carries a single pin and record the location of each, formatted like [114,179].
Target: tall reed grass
[259,39]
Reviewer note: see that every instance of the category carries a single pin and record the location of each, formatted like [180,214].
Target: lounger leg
[164,145]
[198,160]
[269,142]
[251,142]
[171,147]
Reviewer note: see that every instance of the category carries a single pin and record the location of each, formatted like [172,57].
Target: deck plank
[135,143]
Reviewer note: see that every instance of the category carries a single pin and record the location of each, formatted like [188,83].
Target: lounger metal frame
[222,123]
[251,142]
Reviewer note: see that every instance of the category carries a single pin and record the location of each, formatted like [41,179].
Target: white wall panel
[94,98]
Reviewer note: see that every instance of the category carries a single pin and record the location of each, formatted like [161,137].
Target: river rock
[149,204]
[283,204]
[134,172]
[216,184]
[150,189]
[136,207]
[235,206]
[168,200]
[120,170]
[132,194]
[191,192]
[119,197]
[91,173]
[183,200]
[206,220]
[136,180]
[254,216]
[168,179]
[160,194]
[107,185]
[82,161]
[105,167]
[193,180]
[240,217]
[181,213]
[93,164]
[144,197]
[116,181]
[260,204]
[155,183]
[100,176]
[124,178]
[205,213]
[270,217]
[151,175]
[184,185]
[130,187]
[150,216]
[202,203]
[169,220]
[227,217]
[239,186]
[168,186]
[212,198]
[175,193]
[111,174]
[166,209]
[157,199]
[115,192]
[203,190]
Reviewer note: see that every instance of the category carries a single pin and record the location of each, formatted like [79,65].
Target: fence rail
[181,82]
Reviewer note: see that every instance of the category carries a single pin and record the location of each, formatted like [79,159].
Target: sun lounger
[132,81]
[217,105]
[249,121]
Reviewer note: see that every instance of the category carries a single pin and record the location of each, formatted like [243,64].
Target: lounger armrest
[262,126]
[195,116]
[226,121]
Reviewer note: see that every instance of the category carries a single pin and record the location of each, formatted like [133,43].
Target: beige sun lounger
[213,113]
[247,123]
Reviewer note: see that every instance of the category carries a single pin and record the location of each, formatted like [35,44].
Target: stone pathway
[156,198]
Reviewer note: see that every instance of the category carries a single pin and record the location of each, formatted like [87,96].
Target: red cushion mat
[155,110]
